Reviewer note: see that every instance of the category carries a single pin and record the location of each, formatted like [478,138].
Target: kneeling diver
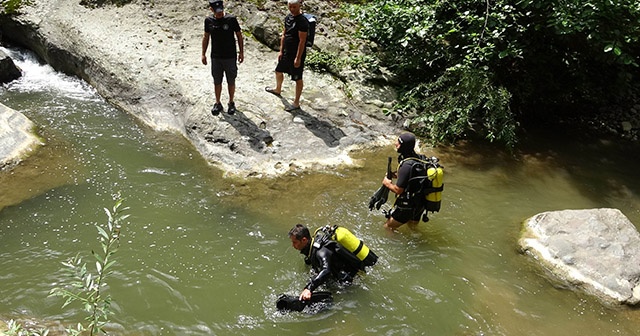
[328,257]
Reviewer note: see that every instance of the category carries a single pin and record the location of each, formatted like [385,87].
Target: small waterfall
[40,77]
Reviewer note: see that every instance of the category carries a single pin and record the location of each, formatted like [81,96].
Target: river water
[203,255]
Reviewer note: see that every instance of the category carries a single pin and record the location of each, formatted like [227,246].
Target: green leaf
[98,257]
[109,217]
[102,232]
[108,265]
[67,302]
[617,51]
[87,281]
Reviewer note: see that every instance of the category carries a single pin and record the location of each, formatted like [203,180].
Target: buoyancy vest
[425,182]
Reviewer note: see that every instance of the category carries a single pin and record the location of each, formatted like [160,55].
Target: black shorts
[285,65]
[227,66]
[404,212]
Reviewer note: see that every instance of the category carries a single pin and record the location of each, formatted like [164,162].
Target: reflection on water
[207,256]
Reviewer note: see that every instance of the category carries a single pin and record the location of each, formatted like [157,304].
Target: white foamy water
[39,77]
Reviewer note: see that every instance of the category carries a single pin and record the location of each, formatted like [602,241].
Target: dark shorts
[220,67]
[403,212]
[285,65]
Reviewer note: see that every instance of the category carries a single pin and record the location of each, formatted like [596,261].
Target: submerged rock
[595,250]
[17,138]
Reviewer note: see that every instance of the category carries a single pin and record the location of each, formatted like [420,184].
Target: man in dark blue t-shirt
[222,30]
[293,51]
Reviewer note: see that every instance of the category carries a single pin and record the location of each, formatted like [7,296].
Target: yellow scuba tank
[426,182]
[435,174]
[350,242]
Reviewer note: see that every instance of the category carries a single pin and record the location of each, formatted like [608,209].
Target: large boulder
[8,70]
[266,28]
[17,137]
[595,250]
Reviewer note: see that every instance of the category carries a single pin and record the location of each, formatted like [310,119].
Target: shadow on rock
[258,137]
[322,129]
[330,134]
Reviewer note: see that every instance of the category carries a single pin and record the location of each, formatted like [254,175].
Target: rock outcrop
[145,58]
[8,70]
[595,250]
[17,137]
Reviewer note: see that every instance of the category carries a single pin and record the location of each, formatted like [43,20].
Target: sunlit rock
[17,137]
[153,69]
[595,250]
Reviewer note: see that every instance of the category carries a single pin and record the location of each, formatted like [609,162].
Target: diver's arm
[392,187]
[324,256]
[402,175]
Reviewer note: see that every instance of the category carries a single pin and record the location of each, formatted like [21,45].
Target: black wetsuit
[328,258]
[406,210]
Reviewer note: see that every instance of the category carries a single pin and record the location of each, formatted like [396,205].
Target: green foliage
[10,7]
[485,60]
[87,288]
[459,102]
[325,61]
[16,329]
[364,62]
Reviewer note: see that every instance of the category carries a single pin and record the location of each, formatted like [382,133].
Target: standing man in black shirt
[222,30]
[293,51]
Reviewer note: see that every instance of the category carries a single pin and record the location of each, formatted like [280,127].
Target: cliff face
[145,58]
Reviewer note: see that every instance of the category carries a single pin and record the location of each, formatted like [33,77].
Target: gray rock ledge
[595,250]
[17,137]
[144,57]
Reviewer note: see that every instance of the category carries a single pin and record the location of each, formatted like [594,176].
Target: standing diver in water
[405,211]
[337,254]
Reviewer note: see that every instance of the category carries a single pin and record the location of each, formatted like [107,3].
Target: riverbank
[144,57]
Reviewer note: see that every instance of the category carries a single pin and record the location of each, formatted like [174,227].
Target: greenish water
[203,255]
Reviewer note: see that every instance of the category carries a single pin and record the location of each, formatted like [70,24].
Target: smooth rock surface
[596,250]
[17,137]
[144,57]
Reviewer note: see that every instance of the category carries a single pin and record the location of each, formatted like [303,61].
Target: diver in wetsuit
[327,257]
[404,211]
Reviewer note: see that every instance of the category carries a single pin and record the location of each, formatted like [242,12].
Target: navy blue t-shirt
[222,32]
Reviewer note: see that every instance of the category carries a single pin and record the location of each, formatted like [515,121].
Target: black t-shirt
[292,26]
[223,39]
